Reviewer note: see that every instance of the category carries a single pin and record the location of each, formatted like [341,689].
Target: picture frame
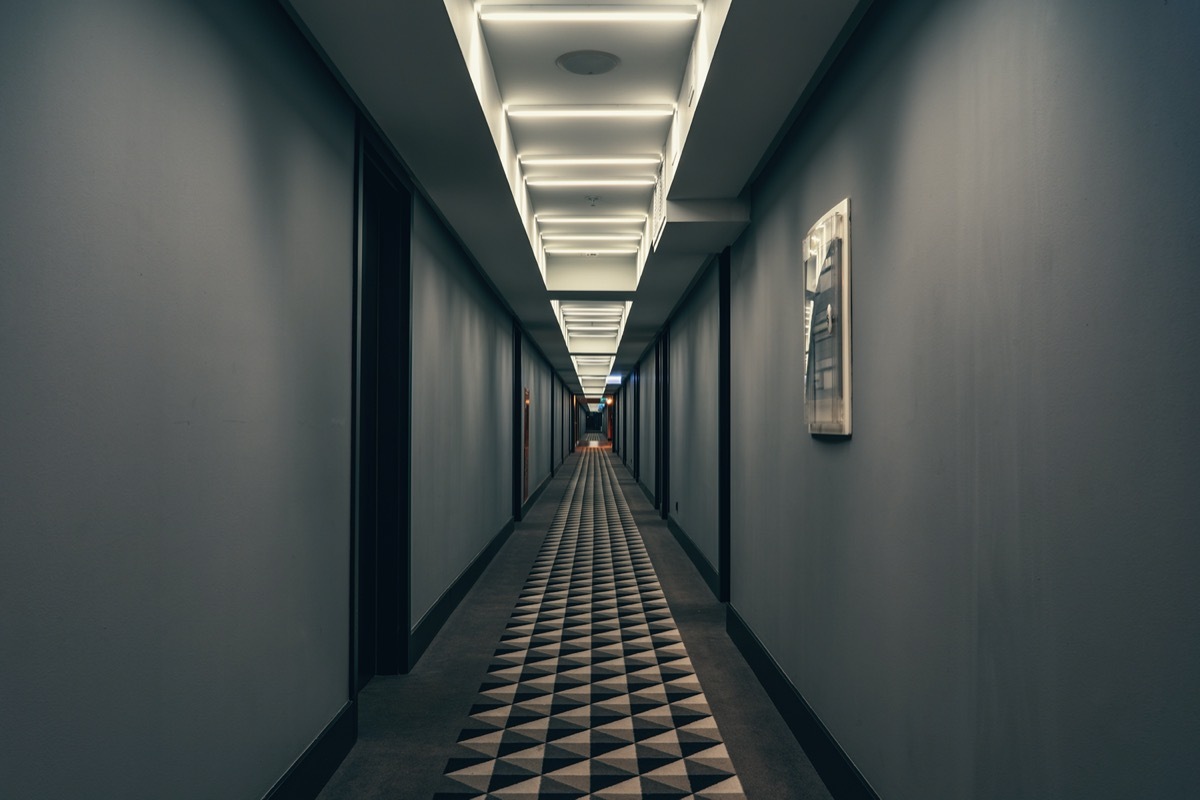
[827,352]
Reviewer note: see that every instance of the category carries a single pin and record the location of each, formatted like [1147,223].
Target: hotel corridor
[605,673]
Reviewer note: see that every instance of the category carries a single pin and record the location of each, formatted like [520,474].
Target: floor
[590,660]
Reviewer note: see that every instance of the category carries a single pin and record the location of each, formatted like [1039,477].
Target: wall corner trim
[316,765]
[424,631]
[646,490]
[535,494]
[703,565]
[839,773]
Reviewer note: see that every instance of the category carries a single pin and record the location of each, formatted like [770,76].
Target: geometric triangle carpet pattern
[591,693]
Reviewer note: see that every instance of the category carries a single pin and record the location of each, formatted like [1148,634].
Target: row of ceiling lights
[603,235]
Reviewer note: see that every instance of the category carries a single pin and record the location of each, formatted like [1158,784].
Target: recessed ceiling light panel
[598,220]
[584,251]
[589,13]
[591,181]
[590,161]
[594,237]
[591,112]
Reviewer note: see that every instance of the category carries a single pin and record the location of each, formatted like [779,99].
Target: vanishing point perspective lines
[591,693]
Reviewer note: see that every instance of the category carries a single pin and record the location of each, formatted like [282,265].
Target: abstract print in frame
[827,323]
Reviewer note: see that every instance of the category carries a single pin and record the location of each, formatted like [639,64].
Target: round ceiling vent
[588,62]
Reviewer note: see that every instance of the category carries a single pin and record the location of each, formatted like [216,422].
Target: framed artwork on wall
[827,386]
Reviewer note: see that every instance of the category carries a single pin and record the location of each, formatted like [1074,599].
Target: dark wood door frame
[724,424]
[525,467]
[517,423]
[381,440]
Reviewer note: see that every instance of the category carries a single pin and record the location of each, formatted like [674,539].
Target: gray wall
[536,376]
[990,592]
[627,418]
[462,367]
[175,340]
[556,428]
[646,391]
[562,421]
[695,351]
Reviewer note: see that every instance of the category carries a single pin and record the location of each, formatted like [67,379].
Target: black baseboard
[312,770]
[436,617]
[841,777]
[703,565]
[535,494]
[646,490]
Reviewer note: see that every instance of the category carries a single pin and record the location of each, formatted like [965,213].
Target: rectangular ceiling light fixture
[593,309]
[588,251]
[627,220]
[590,181]
[591,112]
[589,13]
[590,161]
[592,237]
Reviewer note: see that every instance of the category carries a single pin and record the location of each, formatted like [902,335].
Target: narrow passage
[591,693]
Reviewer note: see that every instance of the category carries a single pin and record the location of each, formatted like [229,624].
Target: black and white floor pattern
[591,693]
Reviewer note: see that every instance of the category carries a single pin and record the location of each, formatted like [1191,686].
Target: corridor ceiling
[591,156]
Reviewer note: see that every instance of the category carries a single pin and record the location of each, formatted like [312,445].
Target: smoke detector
[587,62]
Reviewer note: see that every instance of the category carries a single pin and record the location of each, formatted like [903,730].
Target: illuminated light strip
[607,308]
[596,161]
[664,13]
[589,112]
[594,237]
[592,220]
[584,251]
[591,181]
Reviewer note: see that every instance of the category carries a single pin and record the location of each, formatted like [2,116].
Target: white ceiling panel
[415,68]
[652,59]
[589,136]
[590,198]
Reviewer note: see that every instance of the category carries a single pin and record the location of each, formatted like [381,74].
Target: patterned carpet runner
[591,693]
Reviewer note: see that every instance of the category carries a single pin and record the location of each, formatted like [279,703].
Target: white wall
[462,368]
[990,591]
[175,341]
[693,363]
